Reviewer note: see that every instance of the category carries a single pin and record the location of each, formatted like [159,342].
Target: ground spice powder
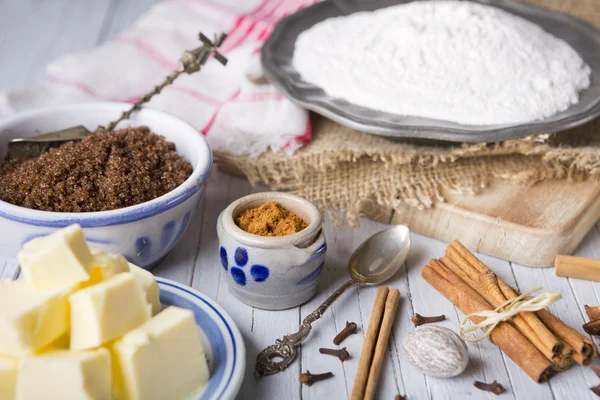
[104,171]
[270,219]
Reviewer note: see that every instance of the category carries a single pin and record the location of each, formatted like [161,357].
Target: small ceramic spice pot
[272,273]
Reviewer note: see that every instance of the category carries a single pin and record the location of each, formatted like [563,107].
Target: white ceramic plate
[222,339]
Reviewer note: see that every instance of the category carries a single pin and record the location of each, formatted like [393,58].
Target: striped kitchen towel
[232,106]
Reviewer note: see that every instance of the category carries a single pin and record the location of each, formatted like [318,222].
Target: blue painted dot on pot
[223,254]
[318,253]
[184,223]
[259,273]
[167,234]
[238,276]
[241,256]
[313,276]
[143,247]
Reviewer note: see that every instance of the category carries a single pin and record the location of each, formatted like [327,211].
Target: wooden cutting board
[525,224]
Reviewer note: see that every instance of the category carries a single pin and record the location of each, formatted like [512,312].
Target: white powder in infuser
[456,61]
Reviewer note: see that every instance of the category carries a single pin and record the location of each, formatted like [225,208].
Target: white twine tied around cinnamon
[519,304]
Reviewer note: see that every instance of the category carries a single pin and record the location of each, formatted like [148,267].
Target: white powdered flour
[450,60]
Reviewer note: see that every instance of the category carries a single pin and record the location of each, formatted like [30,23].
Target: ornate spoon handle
[280,355]
[190,62]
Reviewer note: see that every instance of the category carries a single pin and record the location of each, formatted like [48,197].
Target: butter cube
[162,359]
[9,368]
[61,343]
[58,260]
[146,279]
[105,266]
[105,311]
[66,375]
[30,319]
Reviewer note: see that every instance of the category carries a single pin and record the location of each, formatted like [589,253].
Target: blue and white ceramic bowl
[143,233]
[222,340]
[272,273]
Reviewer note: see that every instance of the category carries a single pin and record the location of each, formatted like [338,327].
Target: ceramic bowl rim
[120,216]
[238,370]
[300,239]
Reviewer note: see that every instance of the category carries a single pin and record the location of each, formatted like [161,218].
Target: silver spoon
[375,261]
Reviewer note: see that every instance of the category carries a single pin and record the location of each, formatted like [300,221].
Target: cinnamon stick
[565,359]
[473,284]
[577,267]
[467,255]
[466,265]
[505,336]
[584,349]
[389,314]
[489,282]
[487,287]
[593,313]
[541,330]
[364,364]
[499,292]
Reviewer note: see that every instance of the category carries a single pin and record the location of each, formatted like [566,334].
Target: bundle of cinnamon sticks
[538,342]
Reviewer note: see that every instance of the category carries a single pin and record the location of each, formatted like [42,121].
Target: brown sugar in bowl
[105,171]
[145,232]
[272,272]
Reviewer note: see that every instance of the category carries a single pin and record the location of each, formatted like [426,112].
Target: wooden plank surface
[33,32]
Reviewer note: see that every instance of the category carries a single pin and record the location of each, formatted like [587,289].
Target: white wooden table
[34,32]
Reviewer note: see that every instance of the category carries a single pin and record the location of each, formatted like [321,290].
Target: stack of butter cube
[88,325]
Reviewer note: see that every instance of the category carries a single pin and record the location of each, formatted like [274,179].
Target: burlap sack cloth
[345,171]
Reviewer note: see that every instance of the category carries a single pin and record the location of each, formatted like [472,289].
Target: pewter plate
[277,62]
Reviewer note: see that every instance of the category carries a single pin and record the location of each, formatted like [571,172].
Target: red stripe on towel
[242,38]
[133,99]
[150,51]
[248,32]
[212,119]
[304,138]
[264,35]
[307,135]
[273,10]
[196,95]
[231,36]
[259,8]
[258,97]
[70,82]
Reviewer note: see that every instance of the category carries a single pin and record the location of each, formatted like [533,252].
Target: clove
[308,379]
[400,397]
[493,387]
[350,328]
[419,320]
[342,354]
[592,327]
[596,390]
[592,312]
